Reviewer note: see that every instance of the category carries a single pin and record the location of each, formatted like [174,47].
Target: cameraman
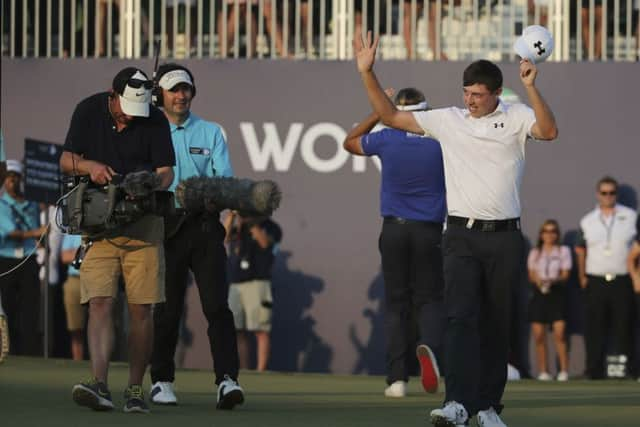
[118,132]
[195,242]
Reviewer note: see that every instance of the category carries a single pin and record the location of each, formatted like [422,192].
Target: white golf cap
[535,44]
[134,92]
[172,78]
[14,166]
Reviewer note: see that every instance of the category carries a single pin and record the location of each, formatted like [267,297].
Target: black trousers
[21,301]
[412,270]
[479,271]
[610,308]
[197,246]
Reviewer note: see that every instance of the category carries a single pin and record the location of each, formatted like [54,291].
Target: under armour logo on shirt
[538,45]
[497,125]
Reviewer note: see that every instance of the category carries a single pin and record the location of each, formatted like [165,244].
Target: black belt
[512,224]
[404,221]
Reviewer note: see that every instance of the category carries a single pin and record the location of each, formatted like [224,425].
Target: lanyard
[548,260]
[609,228]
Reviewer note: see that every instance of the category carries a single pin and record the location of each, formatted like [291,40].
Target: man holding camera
[118,133]
[195,241]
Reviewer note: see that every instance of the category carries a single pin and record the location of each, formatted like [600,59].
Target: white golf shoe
[397,389]
[162,393]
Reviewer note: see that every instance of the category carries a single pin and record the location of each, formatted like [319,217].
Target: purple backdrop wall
[286,120]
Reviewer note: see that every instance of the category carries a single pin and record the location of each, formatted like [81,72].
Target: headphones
[156,92]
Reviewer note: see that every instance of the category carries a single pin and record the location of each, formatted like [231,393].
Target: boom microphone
[248,197]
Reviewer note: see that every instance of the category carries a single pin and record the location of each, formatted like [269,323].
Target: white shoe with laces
[230,394]
[162,393]
[452,414]
[397,389]
[563,376]
[489,418]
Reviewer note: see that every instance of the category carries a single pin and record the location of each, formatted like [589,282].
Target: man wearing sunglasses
[116,133]
[607,233]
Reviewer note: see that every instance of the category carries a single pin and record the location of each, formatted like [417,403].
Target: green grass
[35,392]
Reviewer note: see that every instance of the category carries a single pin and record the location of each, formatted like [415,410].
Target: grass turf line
[37,392]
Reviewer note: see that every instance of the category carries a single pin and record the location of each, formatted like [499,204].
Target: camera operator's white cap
[14,166]
[134,101]
[535,44]
[170,79]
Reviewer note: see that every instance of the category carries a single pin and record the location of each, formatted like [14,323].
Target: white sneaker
[452,414]
[230,394]
[489,418]
[563,376]
[397,389]
[162,393]
[544,376]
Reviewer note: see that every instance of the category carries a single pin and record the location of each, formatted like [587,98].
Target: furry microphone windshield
[240,194]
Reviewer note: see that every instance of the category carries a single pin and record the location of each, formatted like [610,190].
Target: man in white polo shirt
[483,152]
[607,233]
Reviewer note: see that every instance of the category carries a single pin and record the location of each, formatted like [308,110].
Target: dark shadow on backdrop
[371,354]
[295,346]
[628,196]
[371,351]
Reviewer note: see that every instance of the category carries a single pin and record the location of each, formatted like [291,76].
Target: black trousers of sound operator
[480,268]
[197,246]
[412,270]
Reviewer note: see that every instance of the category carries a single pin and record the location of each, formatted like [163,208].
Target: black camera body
[92,210]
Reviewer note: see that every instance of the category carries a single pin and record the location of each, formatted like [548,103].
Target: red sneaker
[429,372]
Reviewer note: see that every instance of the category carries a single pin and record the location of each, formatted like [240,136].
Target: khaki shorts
[251,303]
[76,313]
[139,261]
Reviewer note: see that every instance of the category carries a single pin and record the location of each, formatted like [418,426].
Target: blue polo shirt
[412,174]
[16,215]
[71,241]
[200,150]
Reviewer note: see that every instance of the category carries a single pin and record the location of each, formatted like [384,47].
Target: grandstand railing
[314,29]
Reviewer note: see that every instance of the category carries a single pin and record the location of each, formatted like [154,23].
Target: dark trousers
[197,246]
[412,270]
[20,292]
[609,317]
[479,271]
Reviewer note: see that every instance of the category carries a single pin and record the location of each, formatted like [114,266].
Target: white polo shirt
[608,240]
[483,158]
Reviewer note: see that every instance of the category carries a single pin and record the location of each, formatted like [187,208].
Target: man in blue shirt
[20,289]
[194,242]
[412,203]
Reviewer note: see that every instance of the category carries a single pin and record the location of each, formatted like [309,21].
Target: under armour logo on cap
[538,45]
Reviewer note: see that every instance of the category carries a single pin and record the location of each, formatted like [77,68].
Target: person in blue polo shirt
[194,242]
[412,204]
[20,287]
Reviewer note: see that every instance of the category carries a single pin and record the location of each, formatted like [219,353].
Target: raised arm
[365,53]
[352,142]
[545,126]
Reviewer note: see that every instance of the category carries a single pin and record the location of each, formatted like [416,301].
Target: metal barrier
[315,29]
